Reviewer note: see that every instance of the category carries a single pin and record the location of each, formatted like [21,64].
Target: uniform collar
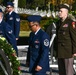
[10,12]
[37,31]
[0,21]
[64,19]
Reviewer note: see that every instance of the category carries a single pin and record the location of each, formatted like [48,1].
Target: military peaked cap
[34,18]
[66,6]
[10,3]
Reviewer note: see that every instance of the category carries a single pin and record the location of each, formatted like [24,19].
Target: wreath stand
[52,59]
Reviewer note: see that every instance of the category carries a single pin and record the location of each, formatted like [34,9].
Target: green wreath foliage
[10,52]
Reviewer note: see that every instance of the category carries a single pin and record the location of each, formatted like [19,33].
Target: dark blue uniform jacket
[38,51]
[14,21]
[6,31]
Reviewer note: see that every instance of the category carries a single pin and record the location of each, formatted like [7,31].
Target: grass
[24,33]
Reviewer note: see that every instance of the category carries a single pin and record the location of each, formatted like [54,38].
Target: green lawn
[24,33]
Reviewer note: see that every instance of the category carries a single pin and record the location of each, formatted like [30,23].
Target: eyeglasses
[31,26]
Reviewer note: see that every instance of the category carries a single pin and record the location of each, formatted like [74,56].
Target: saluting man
[13,19]
[66,41]
[37,56]
[6,31]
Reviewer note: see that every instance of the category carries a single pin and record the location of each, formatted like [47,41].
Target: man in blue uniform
[6,31]
[13,19]
[37,56]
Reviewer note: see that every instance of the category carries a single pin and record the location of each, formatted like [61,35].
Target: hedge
[24,23]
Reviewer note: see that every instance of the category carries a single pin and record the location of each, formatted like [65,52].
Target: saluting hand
[38,68]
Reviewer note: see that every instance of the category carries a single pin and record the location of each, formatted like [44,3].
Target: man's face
[1,15]
[9,8]
[32,26]
[63,12]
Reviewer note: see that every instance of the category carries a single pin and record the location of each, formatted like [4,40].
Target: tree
[22,3]
[39,3]
[1,2]
[4,2]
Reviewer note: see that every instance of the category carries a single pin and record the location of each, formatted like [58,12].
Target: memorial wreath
[10,52]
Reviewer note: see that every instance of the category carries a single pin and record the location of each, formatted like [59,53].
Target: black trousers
[65,66]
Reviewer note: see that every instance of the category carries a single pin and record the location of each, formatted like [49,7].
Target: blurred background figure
[13,19]
[6,31]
